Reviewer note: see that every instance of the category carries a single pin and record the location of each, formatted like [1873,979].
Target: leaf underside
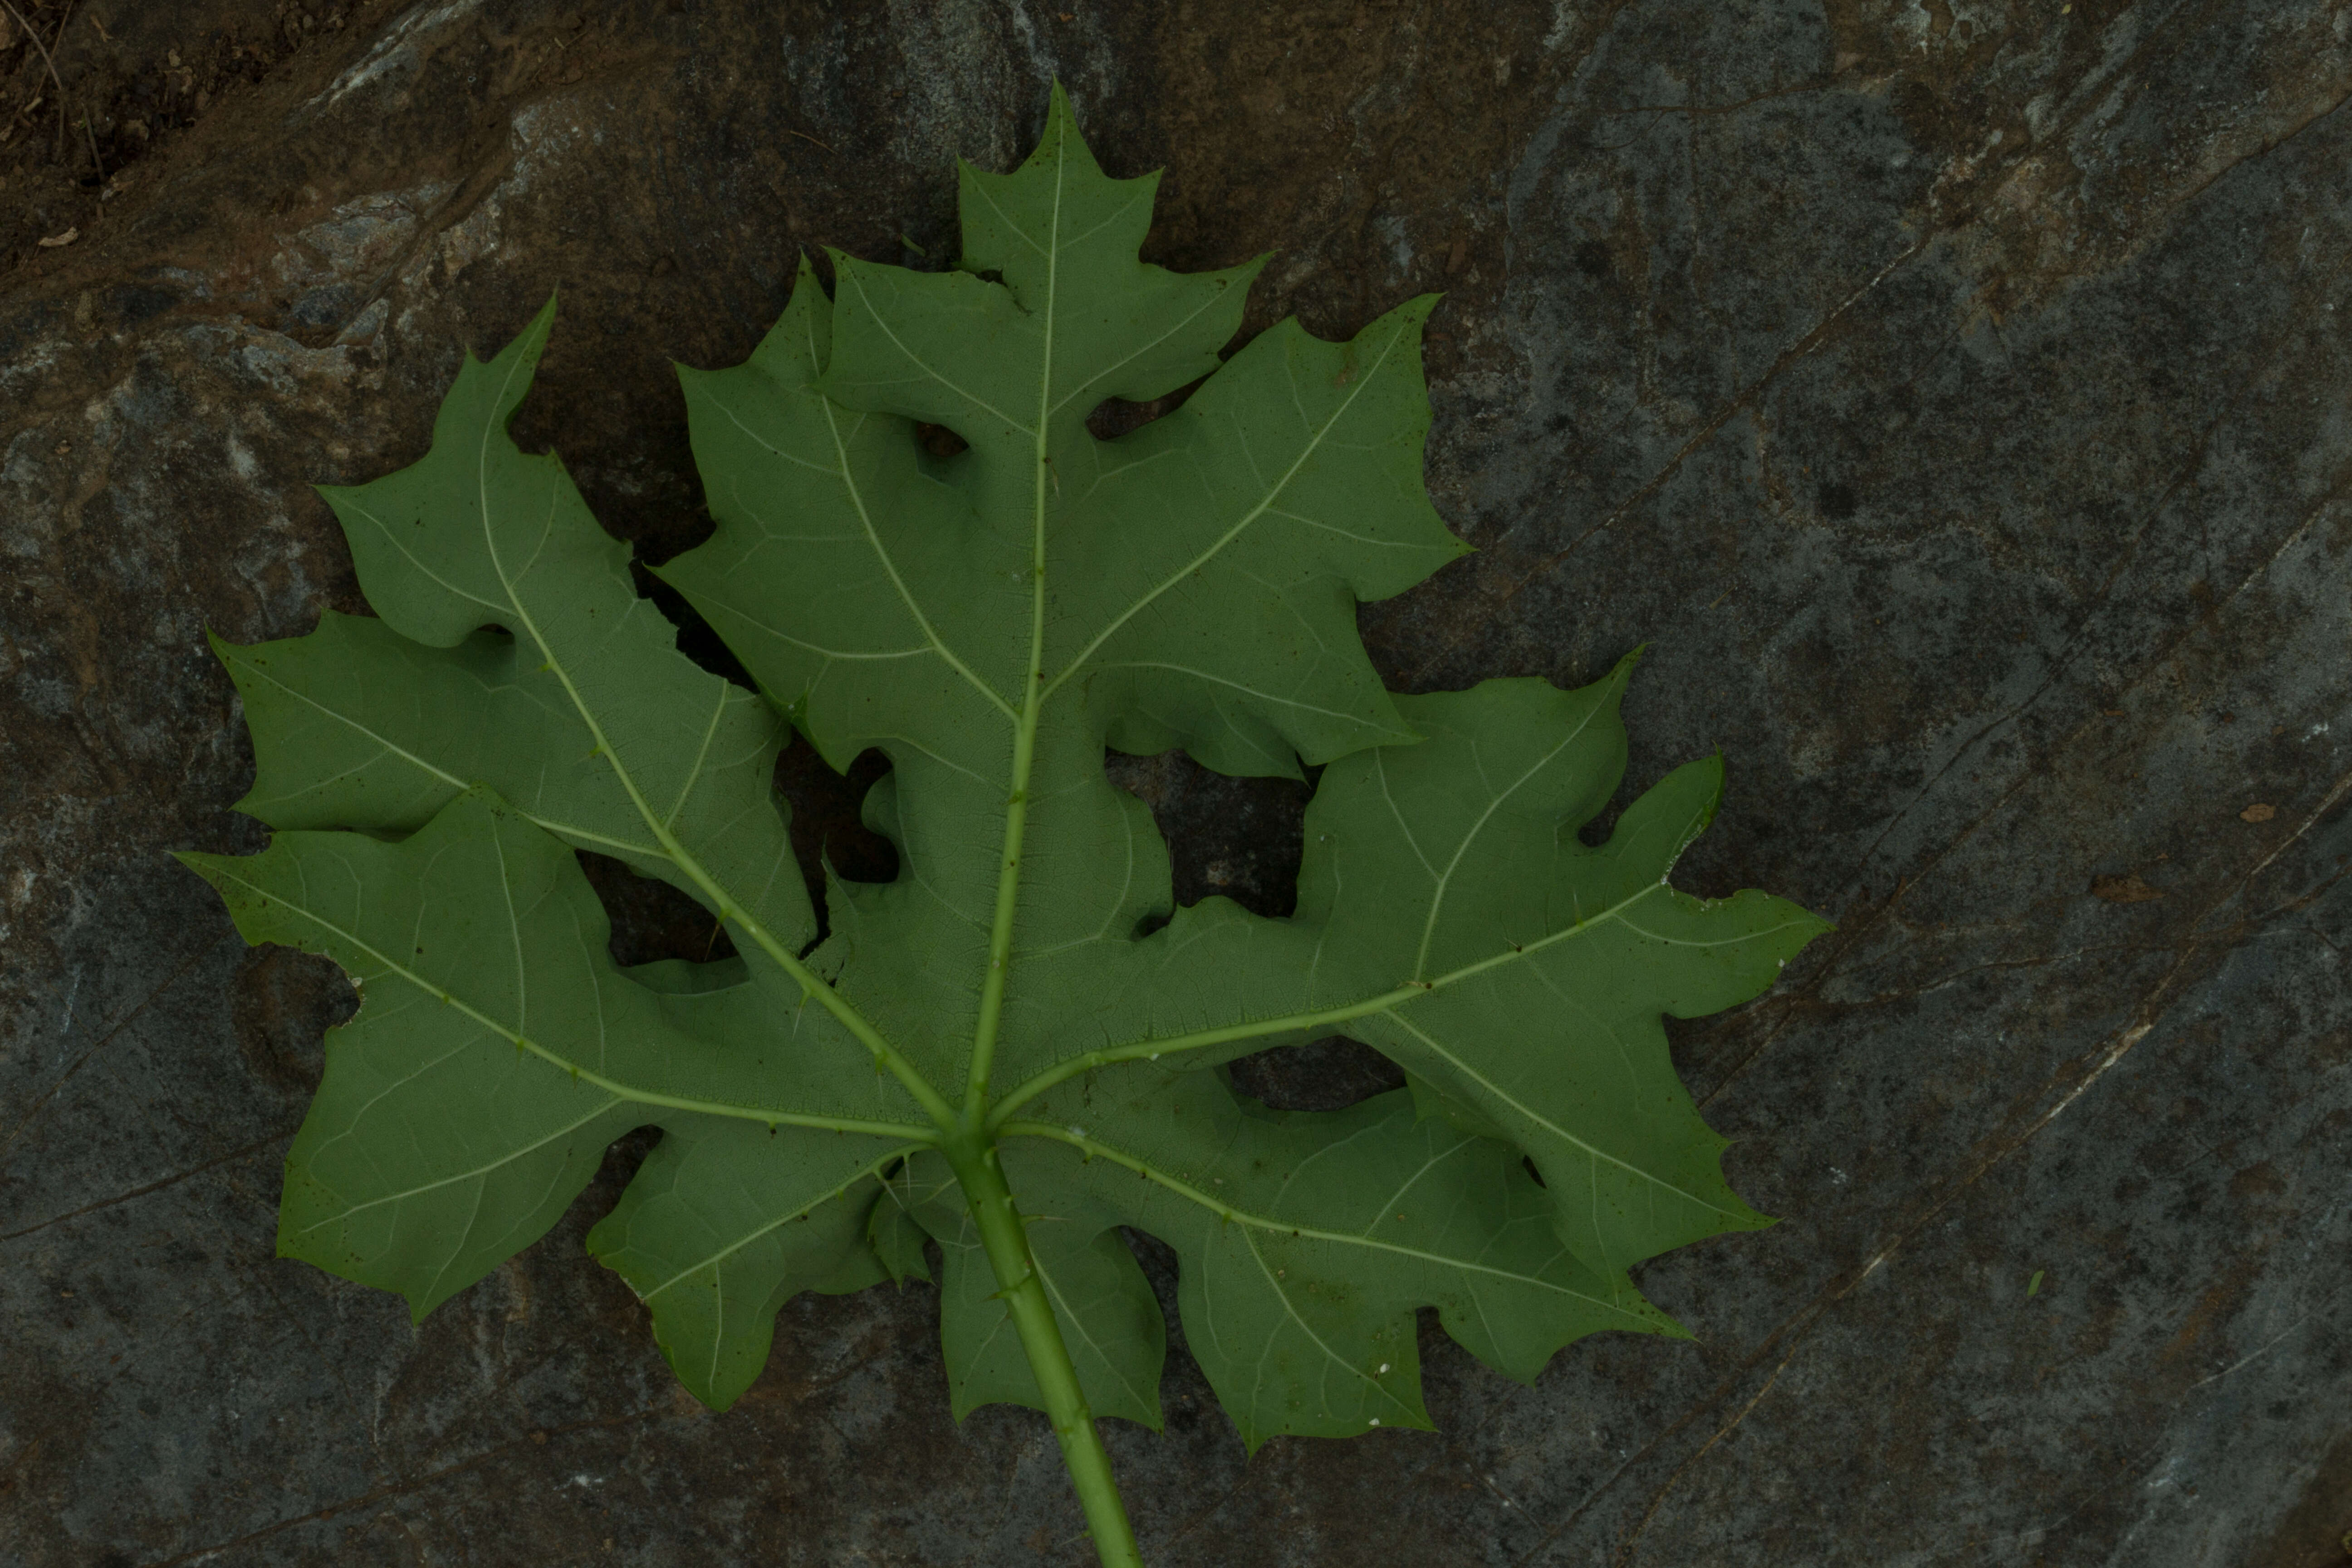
[991,622]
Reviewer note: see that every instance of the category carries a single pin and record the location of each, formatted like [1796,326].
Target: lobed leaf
[577,708]
[498,1048]
[1023,999]
[1308,1240]
[725,1222]
[1541,966]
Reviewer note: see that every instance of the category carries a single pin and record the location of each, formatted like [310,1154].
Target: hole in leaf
[826,822]
[651,920]
[1244,838]
[695,637]
[1329,1074]
[285,1000]
[1158,1260]
[938,441]
[1240,837]
[825,813]
[1595,833]
[1187,1403]
[614,1173]
[1115,416]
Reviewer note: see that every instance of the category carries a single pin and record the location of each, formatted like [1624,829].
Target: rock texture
[1951,393]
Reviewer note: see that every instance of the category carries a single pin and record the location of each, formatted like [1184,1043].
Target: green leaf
[1194,584]
[1012,1047]
[498,1049]
[1547,963]
[1308,1240]
[581,712]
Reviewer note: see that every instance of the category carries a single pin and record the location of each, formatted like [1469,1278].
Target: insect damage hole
[651,920]
[1116,416]
[939,443]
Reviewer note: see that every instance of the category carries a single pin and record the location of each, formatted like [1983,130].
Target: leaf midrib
[453,1179]
[874,540]
[1597,705]
[998,973]
[1592,1151]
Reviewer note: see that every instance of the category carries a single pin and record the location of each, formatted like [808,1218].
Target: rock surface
[1951,393]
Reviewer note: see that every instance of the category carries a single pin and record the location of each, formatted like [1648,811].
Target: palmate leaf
[1010,1051]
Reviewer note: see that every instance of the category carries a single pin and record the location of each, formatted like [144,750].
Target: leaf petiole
[1021,1289]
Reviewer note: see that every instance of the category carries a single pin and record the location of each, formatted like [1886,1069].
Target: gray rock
[1950,393]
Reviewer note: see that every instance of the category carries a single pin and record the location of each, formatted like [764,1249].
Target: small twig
[55,79]
[807,138]
[65,20]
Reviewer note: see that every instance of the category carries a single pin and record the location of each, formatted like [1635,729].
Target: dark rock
[1950,394]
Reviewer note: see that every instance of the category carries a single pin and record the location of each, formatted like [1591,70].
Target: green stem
[1006,1242]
